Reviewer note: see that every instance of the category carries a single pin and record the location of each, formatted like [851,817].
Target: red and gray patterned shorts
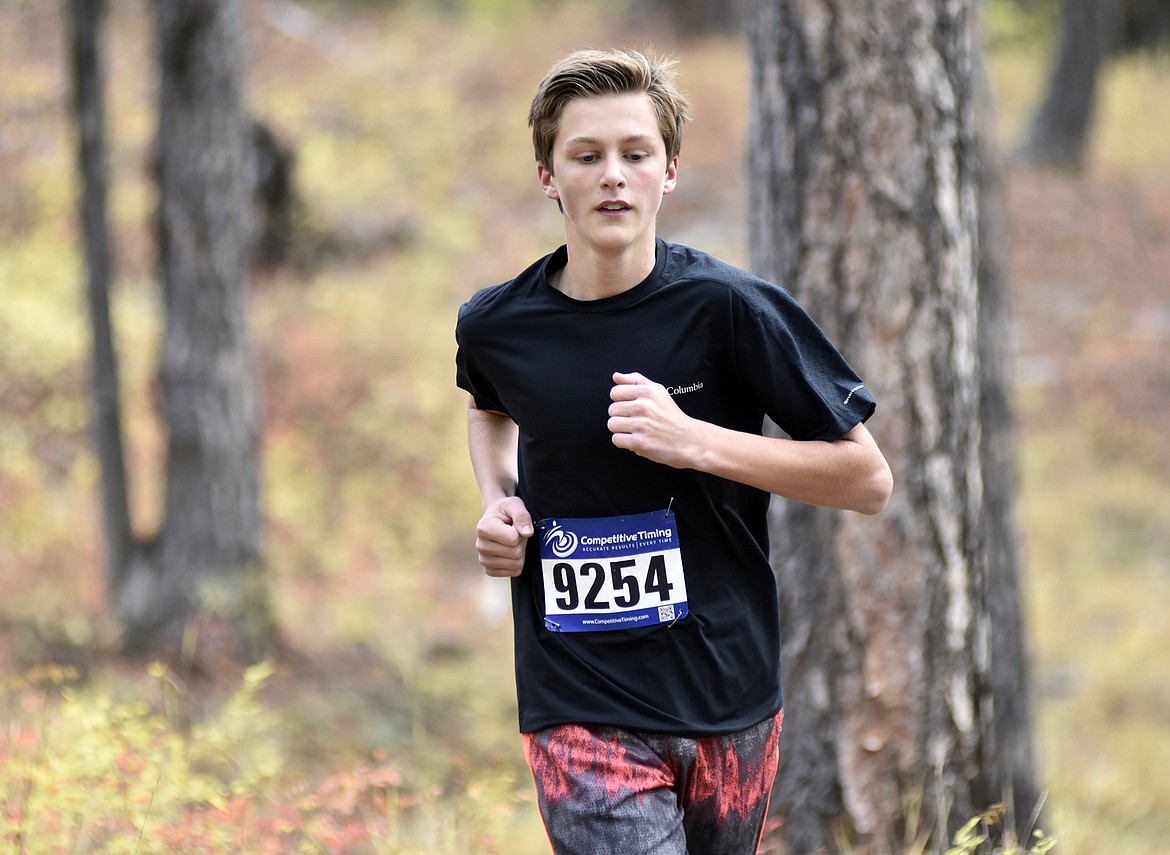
[607,791]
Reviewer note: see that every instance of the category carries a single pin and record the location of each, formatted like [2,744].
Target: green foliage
[81,771]
[974,838]
[1020,23]
[42,332]
[1135,89]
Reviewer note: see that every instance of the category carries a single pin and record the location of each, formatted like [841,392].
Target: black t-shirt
[731,349]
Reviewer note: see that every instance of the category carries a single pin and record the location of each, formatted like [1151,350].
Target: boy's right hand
[501,536]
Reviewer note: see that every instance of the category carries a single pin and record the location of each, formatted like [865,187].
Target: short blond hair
[594,73]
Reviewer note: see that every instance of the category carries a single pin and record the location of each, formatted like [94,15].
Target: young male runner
[618,390]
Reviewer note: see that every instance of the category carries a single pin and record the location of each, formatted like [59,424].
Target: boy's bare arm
[503,531]
[849,473]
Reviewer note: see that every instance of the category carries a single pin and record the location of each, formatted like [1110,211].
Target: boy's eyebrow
[633,138]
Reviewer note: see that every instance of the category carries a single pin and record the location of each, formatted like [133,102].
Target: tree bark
[87,20]
[1058,133]
[209,555]
[865,203]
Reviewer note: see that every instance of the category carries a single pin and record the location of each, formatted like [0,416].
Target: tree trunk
[208,559]
[1144,24]
[87,19]
[865,203]
[1057,135]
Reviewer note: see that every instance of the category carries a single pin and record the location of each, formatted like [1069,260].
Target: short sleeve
[469,376]
[788,364]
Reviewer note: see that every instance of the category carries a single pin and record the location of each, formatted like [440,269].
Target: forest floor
[416,187]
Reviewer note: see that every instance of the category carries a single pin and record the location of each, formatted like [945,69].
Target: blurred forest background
[387,724]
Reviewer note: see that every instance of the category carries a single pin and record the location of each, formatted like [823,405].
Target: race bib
[610,573]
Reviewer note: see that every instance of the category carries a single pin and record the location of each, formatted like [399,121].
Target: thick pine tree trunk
[208,558]
[865,204]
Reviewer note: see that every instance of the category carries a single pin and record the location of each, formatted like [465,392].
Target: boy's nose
[613,176]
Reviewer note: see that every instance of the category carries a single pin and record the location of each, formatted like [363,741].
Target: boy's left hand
[644,419]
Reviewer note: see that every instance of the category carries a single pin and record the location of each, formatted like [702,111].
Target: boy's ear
[548,182]
[671,176]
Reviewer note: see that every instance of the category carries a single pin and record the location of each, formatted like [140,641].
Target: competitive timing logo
[562,543]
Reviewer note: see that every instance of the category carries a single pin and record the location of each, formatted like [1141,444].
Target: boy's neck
[592,276]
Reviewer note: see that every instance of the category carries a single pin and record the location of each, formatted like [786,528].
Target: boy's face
[611,172]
